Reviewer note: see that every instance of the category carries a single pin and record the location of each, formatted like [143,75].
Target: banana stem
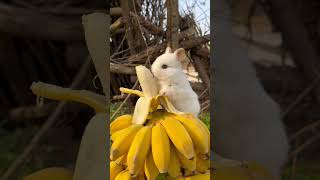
[49,91]
[132,91]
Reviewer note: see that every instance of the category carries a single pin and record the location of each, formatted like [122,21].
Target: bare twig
[306,144]
[305,129]
[26,113]
[300,97]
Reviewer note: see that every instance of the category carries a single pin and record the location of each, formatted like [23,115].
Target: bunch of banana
[157,138]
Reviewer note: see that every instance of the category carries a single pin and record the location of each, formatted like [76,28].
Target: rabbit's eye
[164,66]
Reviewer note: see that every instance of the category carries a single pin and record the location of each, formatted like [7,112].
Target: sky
[201,9]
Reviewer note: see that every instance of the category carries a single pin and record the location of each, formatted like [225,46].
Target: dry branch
[28,23]
[275,79]
[153,29]
[201,69]
[26,113]
[122,69]
[128,23]
[172,23]
[203,53]
[116,11]
[157,49]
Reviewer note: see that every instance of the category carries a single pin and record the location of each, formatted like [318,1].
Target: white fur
[247,124]
[174,83]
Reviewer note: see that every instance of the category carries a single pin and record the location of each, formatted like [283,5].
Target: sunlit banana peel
[147,82]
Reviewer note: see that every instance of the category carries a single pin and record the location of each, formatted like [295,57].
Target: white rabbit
[247,123]
[173,82]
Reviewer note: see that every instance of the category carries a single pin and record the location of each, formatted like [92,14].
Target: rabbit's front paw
[163,92]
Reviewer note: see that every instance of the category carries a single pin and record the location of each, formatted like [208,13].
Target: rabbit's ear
[168,50]
[180,54]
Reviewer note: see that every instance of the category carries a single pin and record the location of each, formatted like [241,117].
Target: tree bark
[173,23]
[296,38]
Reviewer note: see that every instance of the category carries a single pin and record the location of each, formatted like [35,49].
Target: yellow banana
[160,147]
[122,160]
[118,177]
[186,163]
[118,134]
[174,163]
[140,177]
[124,175]
[202,164]
[205,176]
[198,135]
[115,169]
[141,174]
[138,151]
[204,127]
[179,136]
[203,156]
[150,168]
[120,123]
[122,144]
[187,173]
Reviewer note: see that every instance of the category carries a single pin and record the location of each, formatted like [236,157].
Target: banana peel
[150,99]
